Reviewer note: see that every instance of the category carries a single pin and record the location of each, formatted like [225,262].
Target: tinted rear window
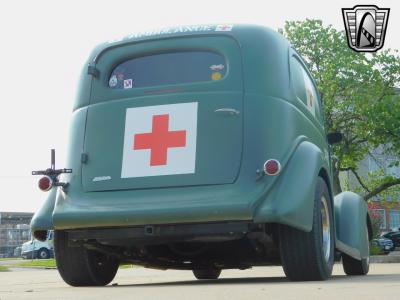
[168,68]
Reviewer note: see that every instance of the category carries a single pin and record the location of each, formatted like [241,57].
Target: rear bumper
[205,204]
[149,234]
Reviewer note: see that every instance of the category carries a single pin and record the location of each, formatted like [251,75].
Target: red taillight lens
[45,183]
[272,167]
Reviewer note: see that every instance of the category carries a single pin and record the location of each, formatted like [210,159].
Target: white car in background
[37,249]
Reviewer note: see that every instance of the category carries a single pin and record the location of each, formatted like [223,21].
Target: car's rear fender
[290,201]
[42,220]
[351,213]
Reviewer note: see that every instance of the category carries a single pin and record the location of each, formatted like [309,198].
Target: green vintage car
[200,148]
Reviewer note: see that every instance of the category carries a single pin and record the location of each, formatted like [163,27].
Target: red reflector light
[45,183]
[272,167]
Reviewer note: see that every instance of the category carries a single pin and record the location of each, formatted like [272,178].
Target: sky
[44,45]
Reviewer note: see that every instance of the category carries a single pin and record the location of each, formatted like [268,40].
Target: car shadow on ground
[251,280]
[264,280]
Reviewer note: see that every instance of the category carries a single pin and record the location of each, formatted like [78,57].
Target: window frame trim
[294,54]
[169,51]
[390,217]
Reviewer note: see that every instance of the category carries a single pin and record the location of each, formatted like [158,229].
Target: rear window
[168,68]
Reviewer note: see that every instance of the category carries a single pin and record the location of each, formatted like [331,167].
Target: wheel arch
[369,227]
[323,173]
[288,202]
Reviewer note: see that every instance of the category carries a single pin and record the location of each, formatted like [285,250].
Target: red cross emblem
[224,28]
[159,140]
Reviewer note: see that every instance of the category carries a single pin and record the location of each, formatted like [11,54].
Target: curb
[385,259]
[31,267]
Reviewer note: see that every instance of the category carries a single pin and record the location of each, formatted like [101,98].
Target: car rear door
[165,113]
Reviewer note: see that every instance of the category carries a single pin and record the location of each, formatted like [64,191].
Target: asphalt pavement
[10,262]
[383,282]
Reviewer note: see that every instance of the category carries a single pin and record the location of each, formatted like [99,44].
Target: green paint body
[273,123]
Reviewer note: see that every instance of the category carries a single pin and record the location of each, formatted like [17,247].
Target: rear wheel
[309,255]
[210,273]
[79,266]
[352,266]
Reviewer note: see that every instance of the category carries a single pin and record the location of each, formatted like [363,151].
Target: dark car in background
[386,245]
[394,236]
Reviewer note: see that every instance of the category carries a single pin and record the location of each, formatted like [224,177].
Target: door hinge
[92,70]
[84,158]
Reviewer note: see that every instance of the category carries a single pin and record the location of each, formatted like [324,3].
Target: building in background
[388,214]
[14,231]
[387,208]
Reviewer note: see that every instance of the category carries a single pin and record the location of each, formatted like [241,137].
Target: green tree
[359,97]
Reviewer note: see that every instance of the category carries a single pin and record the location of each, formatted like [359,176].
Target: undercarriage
[226,245]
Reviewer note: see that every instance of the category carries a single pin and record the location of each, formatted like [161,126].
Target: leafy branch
[360,99]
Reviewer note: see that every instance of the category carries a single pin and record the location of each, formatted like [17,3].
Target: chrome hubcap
[326,232]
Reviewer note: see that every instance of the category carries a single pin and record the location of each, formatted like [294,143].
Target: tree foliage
[359,96]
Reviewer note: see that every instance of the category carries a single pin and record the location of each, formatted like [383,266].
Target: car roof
[243,33]
[262,48]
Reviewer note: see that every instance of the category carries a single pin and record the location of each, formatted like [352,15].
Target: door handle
[228,111]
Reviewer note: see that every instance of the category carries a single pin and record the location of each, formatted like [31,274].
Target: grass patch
[3,268]
[375,250]
[10,258]
[44,263]
[126,266]
[47,263]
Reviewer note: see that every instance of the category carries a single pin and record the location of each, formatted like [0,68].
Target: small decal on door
[113,81]
[101,178]
[128,83]
[216,76]
[224,27]
[217,67]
